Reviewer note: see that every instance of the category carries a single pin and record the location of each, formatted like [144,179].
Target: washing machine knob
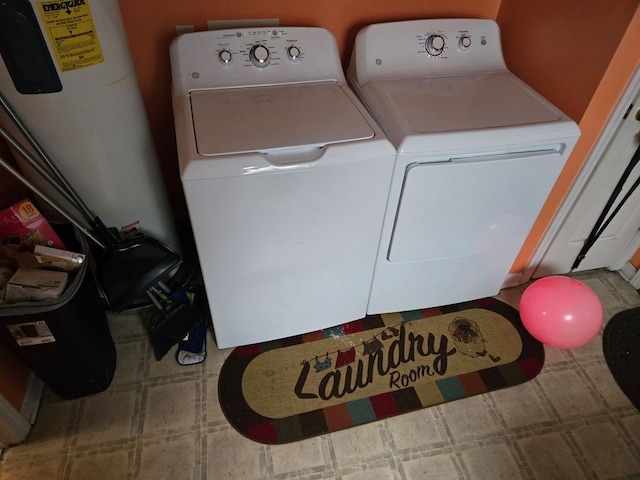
[260,56]
[293,52]
[434,45]
[225,56]
[464,42]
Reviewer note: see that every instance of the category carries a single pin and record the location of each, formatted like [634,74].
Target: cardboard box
[29,284]
[24,225]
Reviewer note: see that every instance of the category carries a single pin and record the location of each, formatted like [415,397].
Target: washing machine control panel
[435,43]
[249,56]
[426,48]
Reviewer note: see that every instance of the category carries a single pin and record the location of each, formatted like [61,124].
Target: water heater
[66,70]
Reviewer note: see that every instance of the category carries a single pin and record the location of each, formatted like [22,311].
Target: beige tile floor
[162,421]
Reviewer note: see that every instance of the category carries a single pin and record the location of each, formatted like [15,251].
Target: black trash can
[65,341]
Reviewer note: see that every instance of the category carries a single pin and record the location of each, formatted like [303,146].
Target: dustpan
[128,269]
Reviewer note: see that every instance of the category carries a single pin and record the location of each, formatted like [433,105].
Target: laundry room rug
[621,347]
[374,368]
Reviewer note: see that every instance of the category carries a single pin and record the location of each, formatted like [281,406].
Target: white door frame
[592,160]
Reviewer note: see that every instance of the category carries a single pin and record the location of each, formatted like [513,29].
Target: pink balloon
[561,312]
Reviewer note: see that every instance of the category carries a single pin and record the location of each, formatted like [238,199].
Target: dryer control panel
[252,57]
[426,49]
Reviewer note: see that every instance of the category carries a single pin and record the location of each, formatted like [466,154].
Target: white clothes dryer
[478,152]
[286,177]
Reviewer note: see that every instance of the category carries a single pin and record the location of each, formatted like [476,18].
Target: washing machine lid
[419,106]
[259,119]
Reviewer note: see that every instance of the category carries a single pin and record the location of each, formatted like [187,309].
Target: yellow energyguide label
[71,33]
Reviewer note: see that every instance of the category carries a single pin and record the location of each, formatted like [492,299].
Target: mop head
[175,321]
[193,348]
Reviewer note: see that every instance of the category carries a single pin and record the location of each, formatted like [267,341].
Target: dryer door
[471,206]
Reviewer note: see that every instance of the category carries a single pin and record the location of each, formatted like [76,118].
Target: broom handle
[46,174]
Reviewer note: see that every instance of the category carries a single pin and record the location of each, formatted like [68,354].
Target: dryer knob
[464,42]
[260,56]
[293,52]
[225,56]
[434,45]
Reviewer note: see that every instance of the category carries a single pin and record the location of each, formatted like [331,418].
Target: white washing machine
[286,177]
[478,153]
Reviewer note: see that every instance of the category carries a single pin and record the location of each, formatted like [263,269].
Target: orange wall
[563,48]
[590,107]
[635,260]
